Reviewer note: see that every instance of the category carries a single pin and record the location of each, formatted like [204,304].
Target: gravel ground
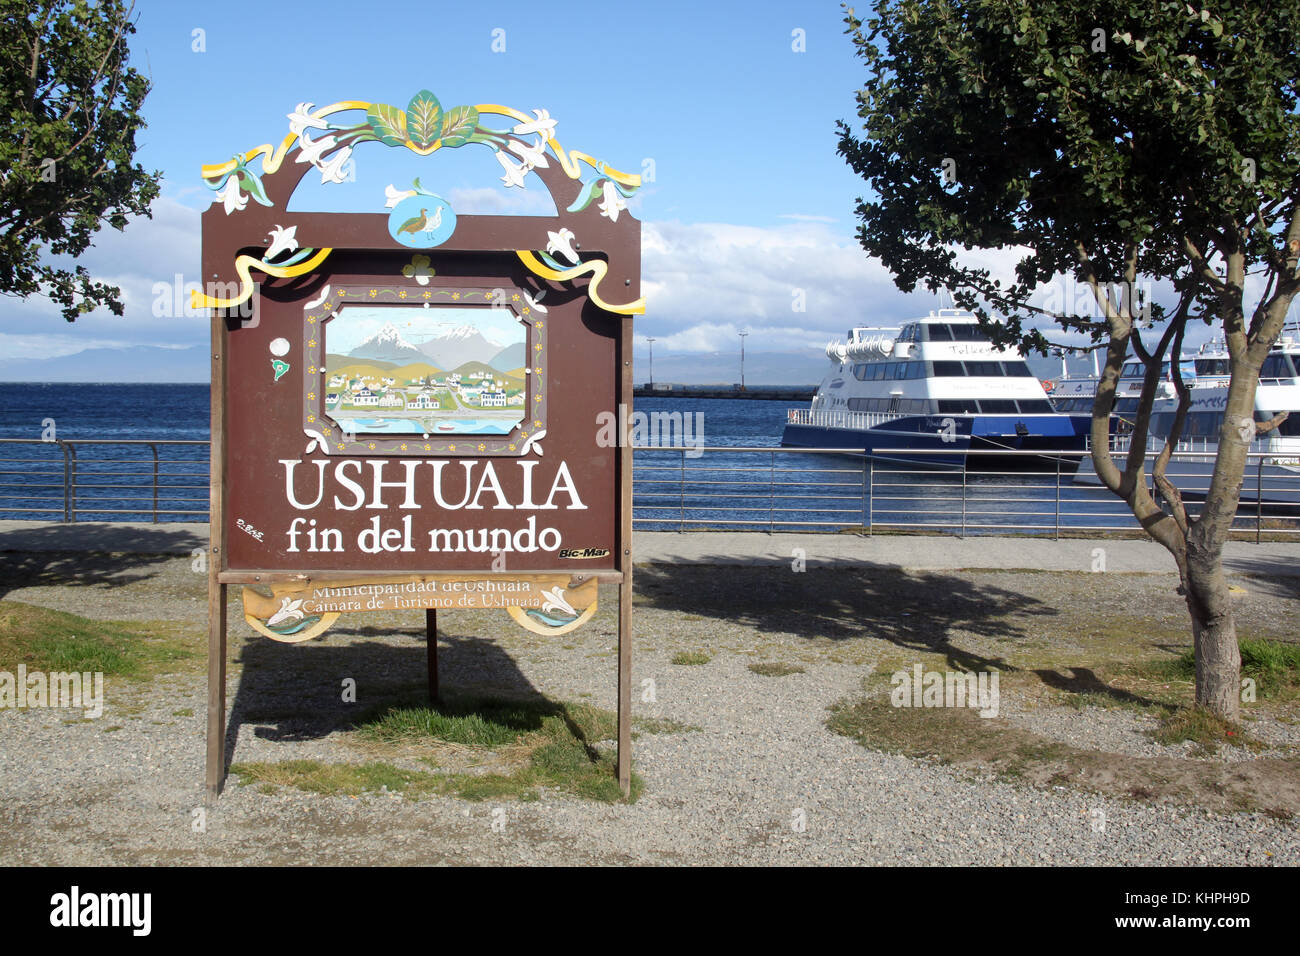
[761,781]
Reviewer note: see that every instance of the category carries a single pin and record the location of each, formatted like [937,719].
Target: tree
[72,107]
[1112,142]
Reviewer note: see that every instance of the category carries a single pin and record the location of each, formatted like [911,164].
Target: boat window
[998,406]
[938,332]
[1290,427]
[989,369]
[1034,406]
[958,406]
[948,368]
[1212,366]
[1017,369]
[860,372]
[1277,366]
[967,333]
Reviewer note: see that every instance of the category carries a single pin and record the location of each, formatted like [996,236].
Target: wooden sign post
[410,406]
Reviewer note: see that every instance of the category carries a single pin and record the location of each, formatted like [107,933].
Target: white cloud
[485,201]
[147,252]
[706,281]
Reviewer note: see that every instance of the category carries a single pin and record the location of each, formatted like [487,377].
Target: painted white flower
[282,240]
[613,202]
[312,150]
[334,171]
[562,244]
[532,155]
[555,602]
[317,440]
[289,610]
[514,174]
[536,304]
[230,196]
[533,442]
[301,119]
[543,125]
[396,195]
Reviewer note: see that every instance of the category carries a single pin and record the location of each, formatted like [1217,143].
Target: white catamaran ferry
[935,384]
[1276,469]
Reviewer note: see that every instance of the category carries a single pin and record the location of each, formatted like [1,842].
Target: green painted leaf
[424,118]
[253,186]
[388,122]
[589,192]
[458,125]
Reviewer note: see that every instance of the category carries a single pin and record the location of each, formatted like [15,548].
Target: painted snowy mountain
[387,345]
[509,358]
[455,346]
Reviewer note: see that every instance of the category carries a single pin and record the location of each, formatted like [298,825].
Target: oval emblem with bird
[422,221]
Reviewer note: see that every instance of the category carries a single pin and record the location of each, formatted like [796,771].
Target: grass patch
[542,743]
[1206,729]
[49,640]
[959,738]
[691,658]
[1273,665]
[776,669]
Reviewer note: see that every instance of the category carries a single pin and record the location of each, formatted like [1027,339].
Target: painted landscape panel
[410,370]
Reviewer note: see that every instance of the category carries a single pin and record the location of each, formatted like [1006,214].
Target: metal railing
[67,479]
[684,488]
[1062,494]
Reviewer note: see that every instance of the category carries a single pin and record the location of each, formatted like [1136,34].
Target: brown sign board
[406,404]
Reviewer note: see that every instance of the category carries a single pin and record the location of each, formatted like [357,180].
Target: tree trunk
[1214,630]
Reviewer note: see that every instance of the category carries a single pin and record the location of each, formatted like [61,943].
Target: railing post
[1259,495]
[154,448]
[771,490]
[1058,499]
[72,486]
[681,489]
[963,496]
[866,522]
[67,500]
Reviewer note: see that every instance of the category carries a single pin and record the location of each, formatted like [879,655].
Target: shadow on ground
[297,691]
[920,611]
[24,569]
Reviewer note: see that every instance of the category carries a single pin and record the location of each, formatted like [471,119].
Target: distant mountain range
[450,350]
[152,364]
[141,363]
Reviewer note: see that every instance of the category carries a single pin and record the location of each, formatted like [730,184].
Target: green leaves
[423,123]
[388,123]
[71,107]
[424,119]
[458,125]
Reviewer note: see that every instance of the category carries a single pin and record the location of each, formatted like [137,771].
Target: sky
[729,108]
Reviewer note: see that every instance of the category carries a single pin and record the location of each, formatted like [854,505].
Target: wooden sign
[406,402]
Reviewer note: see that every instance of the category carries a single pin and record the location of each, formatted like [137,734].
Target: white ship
[1273,475]
[935,384]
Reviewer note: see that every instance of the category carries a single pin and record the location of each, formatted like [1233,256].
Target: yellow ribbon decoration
[200,300]
[275,156]
[568,161]
[597,267]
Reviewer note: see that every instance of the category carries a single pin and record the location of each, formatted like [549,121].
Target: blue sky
[749,216]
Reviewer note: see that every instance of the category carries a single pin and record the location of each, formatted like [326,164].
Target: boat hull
[954,440]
